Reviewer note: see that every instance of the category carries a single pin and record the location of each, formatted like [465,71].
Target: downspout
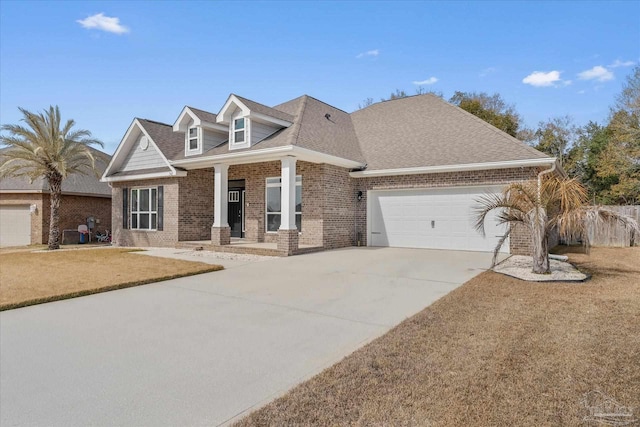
[544,172]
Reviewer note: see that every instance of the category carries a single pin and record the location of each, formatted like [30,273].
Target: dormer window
[193,142]
[238,131]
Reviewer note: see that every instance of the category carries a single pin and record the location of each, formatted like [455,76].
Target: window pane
[193,144]
[144,221]
[273,222]
[239,124]
[273,199]
[298,198]
[239,136]
[144,200]
[299,222]
[154,199]
[193,132]
[134,200]
[134,221]
[274,180]
[154,221]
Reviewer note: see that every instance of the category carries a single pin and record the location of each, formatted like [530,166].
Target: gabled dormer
[201,132]
[249,122]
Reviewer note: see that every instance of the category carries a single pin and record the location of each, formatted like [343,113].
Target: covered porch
[276,201]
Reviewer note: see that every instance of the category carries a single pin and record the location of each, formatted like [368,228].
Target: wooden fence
[616,235]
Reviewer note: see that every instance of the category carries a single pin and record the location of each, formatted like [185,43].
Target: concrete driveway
[207,349]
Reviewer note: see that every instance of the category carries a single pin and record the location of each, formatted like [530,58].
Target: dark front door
[236,212]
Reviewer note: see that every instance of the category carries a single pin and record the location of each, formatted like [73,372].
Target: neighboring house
[404,173]
[25,207]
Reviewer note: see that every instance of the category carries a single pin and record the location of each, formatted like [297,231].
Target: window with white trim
[239,130]
[144,208]
[193,141]
[273,203]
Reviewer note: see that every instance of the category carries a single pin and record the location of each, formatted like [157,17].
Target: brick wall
[331,215]
[520,240]
[74,211]
[340,208]
[255,176]
[168,236]
[195,198]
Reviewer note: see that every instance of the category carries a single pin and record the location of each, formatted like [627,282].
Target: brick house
[25,208]
[304,175]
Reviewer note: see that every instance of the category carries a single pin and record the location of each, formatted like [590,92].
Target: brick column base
[220,235]
[287,241]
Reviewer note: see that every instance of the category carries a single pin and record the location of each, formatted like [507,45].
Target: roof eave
[509,164]
[265,155]
[155,175]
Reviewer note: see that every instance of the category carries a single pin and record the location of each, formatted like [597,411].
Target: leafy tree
[543,206]
[622,156]
[556,137]
[490,108]
[585,157]
[45,149]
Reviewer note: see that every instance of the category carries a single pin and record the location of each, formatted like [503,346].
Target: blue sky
[105,63]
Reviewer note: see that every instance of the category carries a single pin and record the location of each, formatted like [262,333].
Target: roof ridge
[325,103]
[153,121]
[297,124]
[199,109]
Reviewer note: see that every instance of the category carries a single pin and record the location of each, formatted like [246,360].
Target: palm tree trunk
[55,185]
[540,241]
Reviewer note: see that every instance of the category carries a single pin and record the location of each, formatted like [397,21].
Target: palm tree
[43,149]
[555,203]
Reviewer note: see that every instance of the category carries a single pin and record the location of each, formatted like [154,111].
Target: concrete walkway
[207,349]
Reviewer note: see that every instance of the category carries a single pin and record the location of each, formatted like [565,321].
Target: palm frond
[496,251]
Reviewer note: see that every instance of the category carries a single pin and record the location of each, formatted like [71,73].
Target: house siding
[138,158]
[211,139]
[260,131]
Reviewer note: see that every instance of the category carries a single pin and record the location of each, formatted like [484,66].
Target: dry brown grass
[495,352]
[28,278]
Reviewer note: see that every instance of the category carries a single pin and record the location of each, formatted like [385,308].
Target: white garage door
[434,219]
[15,226]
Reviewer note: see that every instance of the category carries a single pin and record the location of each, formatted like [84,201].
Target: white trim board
[455,168]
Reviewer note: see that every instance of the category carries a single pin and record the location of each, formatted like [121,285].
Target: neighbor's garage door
[434,219]
[15,226]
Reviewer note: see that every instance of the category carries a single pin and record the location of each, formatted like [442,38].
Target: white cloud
[103,23]
[581,92]
[542,78]
[488,71]
[617,63]
[374,52]
[598,73]
[429,81]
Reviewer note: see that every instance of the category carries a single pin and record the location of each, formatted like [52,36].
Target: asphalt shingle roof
[205,116]
[424,130]
[74,184]
[421,130]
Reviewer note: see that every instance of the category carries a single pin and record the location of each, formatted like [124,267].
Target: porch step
[236,249]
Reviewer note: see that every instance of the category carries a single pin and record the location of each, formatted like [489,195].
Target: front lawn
[495,352]
[28,278]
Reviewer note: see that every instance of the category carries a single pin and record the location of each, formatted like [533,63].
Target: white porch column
[288,194]
[220,195]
